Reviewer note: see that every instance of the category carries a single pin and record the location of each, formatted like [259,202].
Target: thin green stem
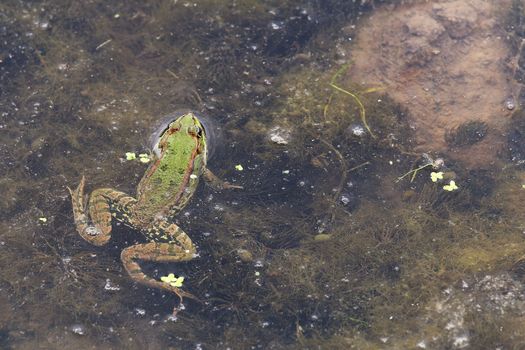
[362,111]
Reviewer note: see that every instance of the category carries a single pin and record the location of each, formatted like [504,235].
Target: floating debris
[357,130]
[78,329]
[103,44]
[345,199]
[42,219]
[111,286]
[322,237]
[279,135]
[245,255]
[509,104]
[140,312]
[239,167]
[421,345]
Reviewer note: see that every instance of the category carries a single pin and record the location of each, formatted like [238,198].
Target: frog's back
[172,178]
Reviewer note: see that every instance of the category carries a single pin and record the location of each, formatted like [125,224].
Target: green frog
[170,181]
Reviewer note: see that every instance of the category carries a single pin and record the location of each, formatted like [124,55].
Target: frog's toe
[182,294]
[82,183]
[79,191]
[92,231]
[229,186]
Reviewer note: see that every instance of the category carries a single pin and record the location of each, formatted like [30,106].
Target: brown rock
[458,17]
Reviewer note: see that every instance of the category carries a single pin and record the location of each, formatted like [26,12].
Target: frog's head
[191,125]
[185,131]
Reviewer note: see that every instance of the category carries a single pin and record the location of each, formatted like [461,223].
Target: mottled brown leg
[216,183]
[158,252]
[98,232]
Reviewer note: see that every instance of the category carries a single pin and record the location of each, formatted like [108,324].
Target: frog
[178,162]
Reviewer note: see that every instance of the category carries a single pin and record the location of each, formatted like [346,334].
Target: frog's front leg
[98,231]
[179,248]
[215,182]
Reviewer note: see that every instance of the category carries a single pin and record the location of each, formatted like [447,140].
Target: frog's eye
[170,129]
[198,131]
[195,131]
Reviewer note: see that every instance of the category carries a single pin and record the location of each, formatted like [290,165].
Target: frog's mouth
[211,130]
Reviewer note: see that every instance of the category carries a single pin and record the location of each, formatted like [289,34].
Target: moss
[490,330]
[475,259]
[508,196]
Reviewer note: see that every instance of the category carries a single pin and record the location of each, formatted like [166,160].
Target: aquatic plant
[436,176]
[425,161]
[451,186]
[362,111]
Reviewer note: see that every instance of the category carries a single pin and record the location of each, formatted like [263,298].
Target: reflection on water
[381,160]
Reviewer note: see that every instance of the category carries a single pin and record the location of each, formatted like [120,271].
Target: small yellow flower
[239,167]
[172,280]
[436,176]
[131,156]
[451,186]
[144,158]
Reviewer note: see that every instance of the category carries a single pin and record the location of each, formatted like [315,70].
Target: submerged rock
[279,135]
[442,60]
[423,32]
[78,328]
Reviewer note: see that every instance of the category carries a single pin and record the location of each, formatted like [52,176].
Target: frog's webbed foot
[218,184]
[95,234]
[158,252]
[97,231]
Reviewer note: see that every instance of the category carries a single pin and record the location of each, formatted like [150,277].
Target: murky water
[380,146]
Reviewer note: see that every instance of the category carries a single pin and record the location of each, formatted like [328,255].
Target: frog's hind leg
[180,248]
[98,231]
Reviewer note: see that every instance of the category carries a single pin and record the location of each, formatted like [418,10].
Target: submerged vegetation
[324,247]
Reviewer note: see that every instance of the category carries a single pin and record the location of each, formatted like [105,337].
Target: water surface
[329,107]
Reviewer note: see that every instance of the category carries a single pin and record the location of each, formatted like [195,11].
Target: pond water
[380,146]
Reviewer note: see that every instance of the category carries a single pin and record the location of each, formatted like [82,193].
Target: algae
[100,75]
